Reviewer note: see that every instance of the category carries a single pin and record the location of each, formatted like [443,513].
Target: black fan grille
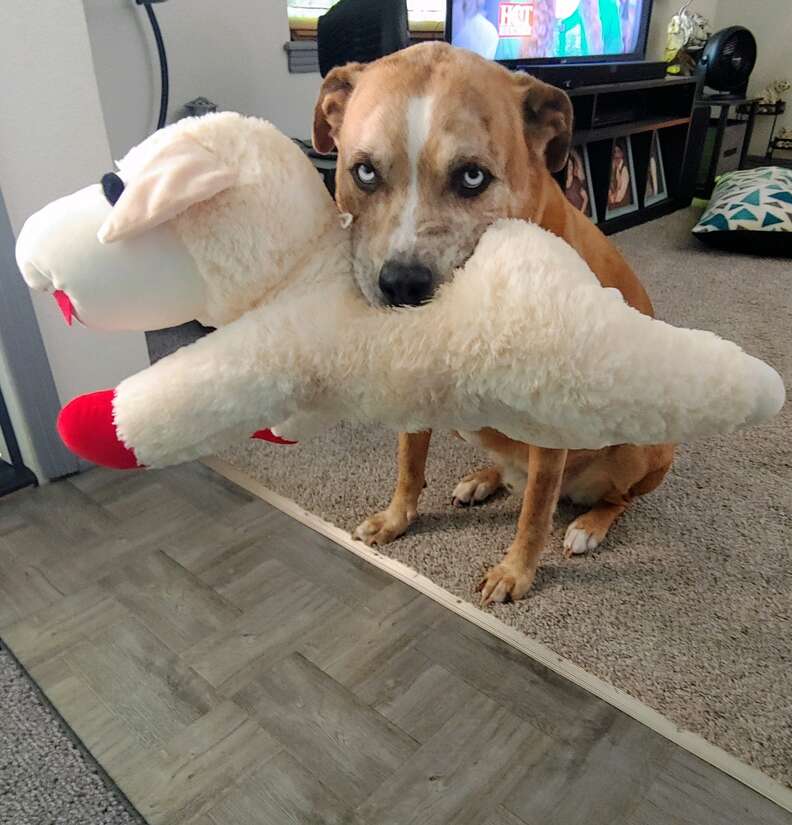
[729,58]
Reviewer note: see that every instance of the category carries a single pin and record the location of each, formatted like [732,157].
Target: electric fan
[728,60]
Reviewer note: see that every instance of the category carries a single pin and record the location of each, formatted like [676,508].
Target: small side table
[769,110]
[728,139]
[773,143]
[783,144]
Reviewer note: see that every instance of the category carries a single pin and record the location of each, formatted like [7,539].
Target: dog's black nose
[405,284]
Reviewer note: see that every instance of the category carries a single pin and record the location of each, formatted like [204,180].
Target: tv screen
[550,31]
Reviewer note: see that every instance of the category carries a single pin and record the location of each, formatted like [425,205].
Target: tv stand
[638,109]
[570,75]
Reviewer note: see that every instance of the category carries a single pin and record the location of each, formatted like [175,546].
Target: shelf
[648,213]
[610,88]
[622,129]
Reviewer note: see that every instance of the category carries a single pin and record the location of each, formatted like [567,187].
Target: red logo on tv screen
[515,19]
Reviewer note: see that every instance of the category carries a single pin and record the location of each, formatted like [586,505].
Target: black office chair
[14,475]
[361,30]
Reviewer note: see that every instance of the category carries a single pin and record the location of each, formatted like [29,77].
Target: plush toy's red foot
[268,435]
[86,427]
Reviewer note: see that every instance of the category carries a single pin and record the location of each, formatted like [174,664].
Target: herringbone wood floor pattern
[228,666]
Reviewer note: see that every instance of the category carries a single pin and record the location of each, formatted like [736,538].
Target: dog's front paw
[383,527]
[506,582]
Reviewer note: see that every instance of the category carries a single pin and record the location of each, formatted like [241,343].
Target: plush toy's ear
[333,97]
[547,114]
[177,175]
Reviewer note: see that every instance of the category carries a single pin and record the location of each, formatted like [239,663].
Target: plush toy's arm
[260,368]
[526,341]
[523,340]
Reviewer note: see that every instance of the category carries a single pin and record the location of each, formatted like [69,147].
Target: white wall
[663,11]
[771,24]
[229,51]
[53,141]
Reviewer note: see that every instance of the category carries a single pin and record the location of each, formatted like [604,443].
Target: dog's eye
[365,176]
[471,180]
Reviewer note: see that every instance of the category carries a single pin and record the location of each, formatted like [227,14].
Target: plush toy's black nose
[113,187]
[405,284]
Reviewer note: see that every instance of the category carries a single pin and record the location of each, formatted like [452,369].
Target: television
[525,33]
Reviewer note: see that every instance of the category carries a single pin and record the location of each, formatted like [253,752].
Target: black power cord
[163,59]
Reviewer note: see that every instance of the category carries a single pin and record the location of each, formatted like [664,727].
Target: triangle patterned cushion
[750,211]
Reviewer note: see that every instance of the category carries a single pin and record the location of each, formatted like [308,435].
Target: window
[427,18]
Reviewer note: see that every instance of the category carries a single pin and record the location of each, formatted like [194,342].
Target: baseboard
[691,742]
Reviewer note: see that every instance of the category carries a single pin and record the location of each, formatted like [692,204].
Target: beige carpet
[688,605]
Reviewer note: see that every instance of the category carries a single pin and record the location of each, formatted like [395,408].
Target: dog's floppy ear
[333,97]
[547,115]
[178,174]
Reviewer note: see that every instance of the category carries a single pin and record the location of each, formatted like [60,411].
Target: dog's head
[435,144]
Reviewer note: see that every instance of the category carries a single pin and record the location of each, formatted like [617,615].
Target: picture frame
[577,184]
[656,188]
[622,188]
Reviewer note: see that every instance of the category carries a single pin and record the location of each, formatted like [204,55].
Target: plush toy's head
[201,220]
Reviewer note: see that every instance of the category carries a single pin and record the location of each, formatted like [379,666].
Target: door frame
[33,386]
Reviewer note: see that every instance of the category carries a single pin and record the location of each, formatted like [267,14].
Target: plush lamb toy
[223,219]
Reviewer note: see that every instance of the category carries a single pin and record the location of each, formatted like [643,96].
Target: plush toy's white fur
[524,339]
[213,261]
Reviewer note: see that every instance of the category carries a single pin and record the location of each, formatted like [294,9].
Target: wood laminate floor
[228,666]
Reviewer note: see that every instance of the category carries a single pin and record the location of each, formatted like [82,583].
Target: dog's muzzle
[405,284]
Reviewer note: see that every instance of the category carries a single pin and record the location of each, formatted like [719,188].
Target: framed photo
[577,182]
[656,188]
[622,191]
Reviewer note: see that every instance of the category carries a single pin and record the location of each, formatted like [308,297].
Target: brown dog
[434,144]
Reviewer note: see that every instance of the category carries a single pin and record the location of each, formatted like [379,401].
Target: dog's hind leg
[624,473]
[589,530]
[477,487]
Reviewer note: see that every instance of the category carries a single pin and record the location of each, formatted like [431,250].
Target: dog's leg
[512,578]
[626,472]
[477,487]
[389,524]
[588,531]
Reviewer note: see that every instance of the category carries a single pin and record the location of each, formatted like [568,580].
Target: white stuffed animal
[203,220]
[521,340]
[775,92]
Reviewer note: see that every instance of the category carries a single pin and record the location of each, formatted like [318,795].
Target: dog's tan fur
[519,129]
